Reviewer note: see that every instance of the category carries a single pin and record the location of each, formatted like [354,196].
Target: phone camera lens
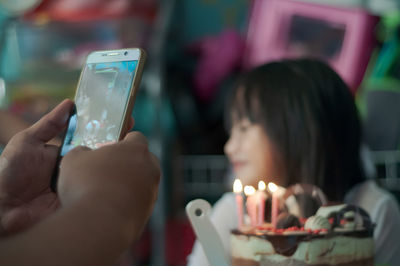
[126,53]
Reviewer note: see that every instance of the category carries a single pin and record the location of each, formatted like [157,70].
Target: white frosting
[293,206]
[250,247]
[357,222]
[339,249]
[317,223]
[325,211]
[331,251]
[349,215]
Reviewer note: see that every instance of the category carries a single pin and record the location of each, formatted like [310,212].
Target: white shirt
[384,212]
[380,204]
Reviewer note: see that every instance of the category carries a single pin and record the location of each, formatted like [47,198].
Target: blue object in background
[9,47]
[144,113]
[199,18]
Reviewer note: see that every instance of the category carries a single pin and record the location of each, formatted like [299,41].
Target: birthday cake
[334,235]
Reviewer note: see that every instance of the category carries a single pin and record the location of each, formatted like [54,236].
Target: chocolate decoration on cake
[303,200]
[268,206]
[358,213]
[360,217]
[286,220]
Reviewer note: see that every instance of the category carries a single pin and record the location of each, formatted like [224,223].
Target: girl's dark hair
[308,112]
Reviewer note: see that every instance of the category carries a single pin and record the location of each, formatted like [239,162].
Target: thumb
[74,154]
[50,125]
[77,150]
[135,138]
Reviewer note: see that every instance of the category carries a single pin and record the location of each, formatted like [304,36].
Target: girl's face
[251,153]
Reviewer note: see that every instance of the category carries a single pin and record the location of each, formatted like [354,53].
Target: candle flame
[249,190]
[272,187]
[237,186]
[262,186]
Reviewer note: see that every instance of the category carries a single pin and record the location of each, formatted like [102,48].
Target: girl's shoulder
[371,197]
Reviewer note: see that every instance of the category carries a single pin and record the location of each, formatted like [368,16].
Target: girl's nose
[230,146]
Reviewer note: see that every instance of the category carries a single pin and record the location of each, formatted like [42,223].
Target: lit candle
[275,203]
[238,189]
[261,197]
[251,203]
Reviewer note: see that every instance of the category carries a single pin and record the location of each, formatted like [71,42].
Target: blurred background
[196,49]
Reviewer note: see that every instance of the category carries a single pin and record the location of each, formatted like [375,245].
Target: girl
[295,121]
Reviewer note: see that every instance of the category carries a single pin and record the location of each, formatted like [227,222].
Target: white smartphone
[104,99]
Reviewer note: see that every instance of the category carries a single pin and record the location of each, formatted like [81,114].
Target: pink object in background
[219,56]
[261,198]
[274,214]
[78,10]
[238,190]
[275,203]
[239,204]
[251,204]
[344,37]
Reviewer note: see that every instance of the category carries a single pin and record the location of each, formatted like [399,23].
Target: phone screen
[100,101]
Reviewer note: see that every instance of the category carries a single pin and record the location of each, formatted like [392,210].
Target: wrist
[92,233]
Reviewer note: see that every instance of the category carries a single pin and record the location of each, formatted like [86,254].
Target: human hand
[26,167]
[14,125]
[121,179]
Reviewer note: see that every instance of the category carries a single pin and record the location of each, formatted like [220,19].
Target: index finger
[50,125]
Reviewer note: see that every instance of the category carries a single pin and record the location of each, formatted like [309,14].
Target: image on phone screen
[100,102]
